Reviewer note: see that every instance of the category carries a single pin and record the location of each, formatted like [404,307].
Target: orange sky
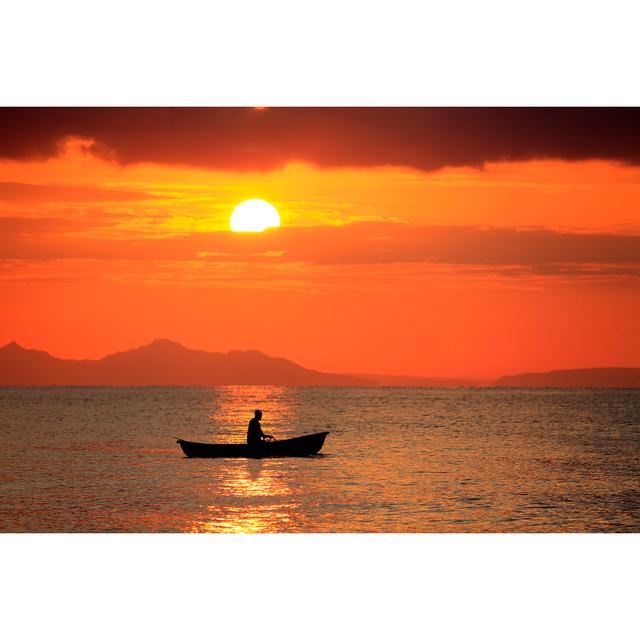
[457,271]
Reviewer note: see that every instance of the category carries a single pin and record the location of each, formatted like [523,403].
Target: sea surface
[397,460]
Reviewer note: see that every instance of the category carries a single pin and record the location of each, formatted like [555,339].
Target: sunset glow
[462,258]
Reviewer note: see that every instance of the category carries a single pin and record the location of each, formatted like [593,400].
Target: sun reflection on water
[257,519]
[253,497]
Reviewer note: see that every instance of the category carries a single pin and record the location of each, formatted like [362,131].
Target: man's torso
[254,432]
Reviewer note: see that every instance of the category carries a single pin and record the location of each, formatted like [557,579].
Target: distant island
[603,377]
[168,363]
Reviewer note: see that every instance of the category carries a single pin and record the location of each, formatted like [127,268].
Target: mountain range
[160,363]
[168,363]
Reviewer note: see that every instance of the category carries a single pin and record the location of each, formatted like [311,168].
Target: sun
[254,215]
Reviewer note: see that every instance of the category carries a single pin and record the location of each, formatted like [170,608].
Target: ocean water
[397,460]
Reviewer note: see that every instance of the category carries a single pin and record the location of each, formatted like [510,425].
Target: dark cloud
[249,139]
[357,243]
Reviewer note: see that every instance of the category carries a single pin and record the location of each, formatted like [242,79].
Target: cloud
[362,243]
[248,139]
[26,192]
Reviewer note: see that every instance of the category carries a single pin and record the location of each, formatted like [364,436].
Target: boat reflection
[254,496]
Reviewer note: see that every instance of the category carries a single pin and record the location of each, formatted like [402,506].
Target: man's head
[258,414]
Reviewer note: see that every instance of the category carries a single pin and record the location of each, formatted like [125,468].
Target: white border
[319,586]
[334,52]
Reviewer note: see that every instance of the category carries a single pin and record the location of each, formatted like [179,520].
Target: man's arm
[265,436]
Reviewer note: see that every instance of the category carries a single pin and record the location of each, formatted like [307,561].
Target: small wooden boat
[301,446]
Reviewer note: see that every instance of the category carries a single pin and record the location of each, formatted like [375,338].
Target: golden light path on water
[248,498]
[250,480]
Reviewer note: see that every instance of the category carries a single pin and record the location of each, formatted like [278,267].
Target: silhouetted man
[255,436]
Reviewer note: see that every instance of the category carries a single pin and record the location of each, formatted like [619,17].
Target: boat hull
[301,446]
